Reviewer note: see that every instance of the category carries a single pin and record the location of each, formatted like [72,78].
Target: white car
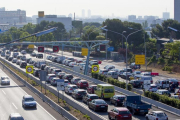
[66,82]
[153,88]
[48,57]
[23,52]
[70,88]
[14,60]
[146,73]
[5,80]
[156,115]
[175,96]
[71,64]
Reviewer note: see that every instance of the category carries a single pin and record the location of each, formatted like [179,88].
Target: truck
[135,105]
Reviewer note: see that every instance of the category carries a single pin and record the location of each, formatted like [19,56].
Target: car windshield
[58,70]
[121,98]
[160,115]
[74,87]
[109,90]
[29,99]
[66,81]
[153,86]
[100,102]
[17,118]
[124,112]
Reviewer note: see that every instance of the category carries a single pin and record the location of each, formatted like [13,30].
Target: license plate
[30,105]
[102,106]
[125,116]
[84,84]
[141,110]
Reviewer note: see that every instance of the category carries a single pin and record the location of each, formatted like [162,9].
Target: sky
[120,8]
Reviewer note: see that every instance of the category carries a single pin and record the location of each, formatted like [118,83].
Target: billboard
[40,13]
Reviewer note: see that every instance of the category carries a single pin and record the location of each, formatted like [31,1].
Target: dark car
[117,100]
[31,62]
[78,93]
[10,58]
[36,71]
[15,50]
[23,64]
[39,55]
[7,56]
[89,97]
[19,56]
[43,66]
[69,77]
[28,60]
[91,89]
[174,81]
[98,104]
[128,70]
[135,83]
[33,54]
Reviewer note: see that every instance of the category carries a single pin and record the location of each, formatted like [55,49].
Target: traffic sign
[110,49]
[95,68]
[55,48]
[139,59]
[84,51]
[40,49]
[30,46]
[29,69]
[60,84]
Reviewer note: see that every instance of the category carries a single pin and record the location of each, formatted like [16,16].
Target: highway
[135,117]
[11,102]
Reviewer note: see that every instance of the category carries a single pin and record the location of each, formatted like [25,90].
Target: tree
[145,24]
[100,37]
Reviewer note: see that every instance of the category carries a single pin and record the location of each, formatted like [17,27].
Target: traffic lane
[103,114]
[15,94]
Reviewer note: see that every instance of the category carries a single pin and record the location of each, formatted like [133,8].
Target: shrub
[161,61]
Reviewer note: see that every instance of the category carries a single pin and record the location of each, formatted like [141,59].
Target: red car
[120,113]
[82,84]
[91,89]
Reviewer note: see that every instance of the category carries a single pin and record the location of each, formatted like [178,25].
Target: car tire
[94,109]
[110,102]
[109,117]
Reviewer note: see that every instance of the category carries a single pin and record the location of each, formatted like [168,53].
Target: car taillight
[156,118]
[68,83]
[149,109]
[120,116]
[97,105]
[117,100]
[78,94]
[71,89]
[151,82]
[102,72]
[137,109]
[89,99]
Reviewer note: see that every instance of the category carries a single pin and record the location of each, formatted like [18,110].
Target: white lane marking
[37,103]
[3,92]
[14,105]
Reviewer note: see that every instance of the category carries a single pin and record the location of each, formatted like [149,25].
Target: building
[83,14]
[131,18]
[177,10]
[67,21]
[12,17]
[166,15]
[89,13]
[70,15]
[2,9]
[140,18]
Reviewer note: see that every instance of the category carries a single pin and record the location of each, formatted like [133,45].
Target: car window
[124,112]
[100,102]
[109,91]
[160,115]
[94,97]
[28,99]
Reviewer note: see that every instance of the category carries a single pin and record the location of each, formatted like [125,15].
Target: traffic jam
[98,97]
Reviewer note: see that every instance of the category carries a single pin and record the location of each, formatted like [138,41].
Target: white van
[39,63]
[112,74]
[162,83]
[144,78]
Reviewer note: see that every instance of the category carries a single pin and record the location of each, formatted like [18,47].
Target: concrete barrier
[118,89]
[72,102]
[55,106]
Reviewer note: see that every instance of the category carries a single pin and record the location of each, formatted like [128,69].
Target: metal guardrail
[118,89]
[55,106]
[71,102]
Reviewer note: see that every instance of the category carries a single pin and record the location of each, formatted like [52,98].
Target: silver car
[5,80]
[28,101]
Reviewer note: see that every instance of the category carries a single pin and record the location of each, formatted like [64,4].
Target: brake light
[71,89]
[90,99]
[151,82]
[120,116]
[117,100]
[78,94]
[137,109]
[97,105]
[148,109]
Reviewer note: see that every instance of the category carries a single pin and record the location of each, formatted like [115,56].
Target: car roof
[120,95]
[51,74]
[28,96]
[162,90]
[80,90]
[158,111]
[92,94]
[93,85]
[83,80]
[121,108]
[153,85]
[99,100]
[105,84]
[15,115]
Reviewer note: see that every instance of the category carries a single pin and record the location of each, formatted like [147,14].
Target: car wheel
[94,109]
[116,104]
[133,112]
[109,117]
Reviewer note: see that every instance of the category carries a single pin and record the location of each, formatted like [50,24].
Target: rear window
[84,82]
[52,76]
[17,118]
[82,92]
[94,97]
[70,76]
[161,114]
[109,91]
[57,70]
[66,81]
[153,86]
[124,112]
[121,98]
[100,102]
[74,87]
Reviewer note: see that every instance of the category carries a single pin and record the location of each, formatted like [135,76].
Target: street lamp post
[126,38]
[122,38]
